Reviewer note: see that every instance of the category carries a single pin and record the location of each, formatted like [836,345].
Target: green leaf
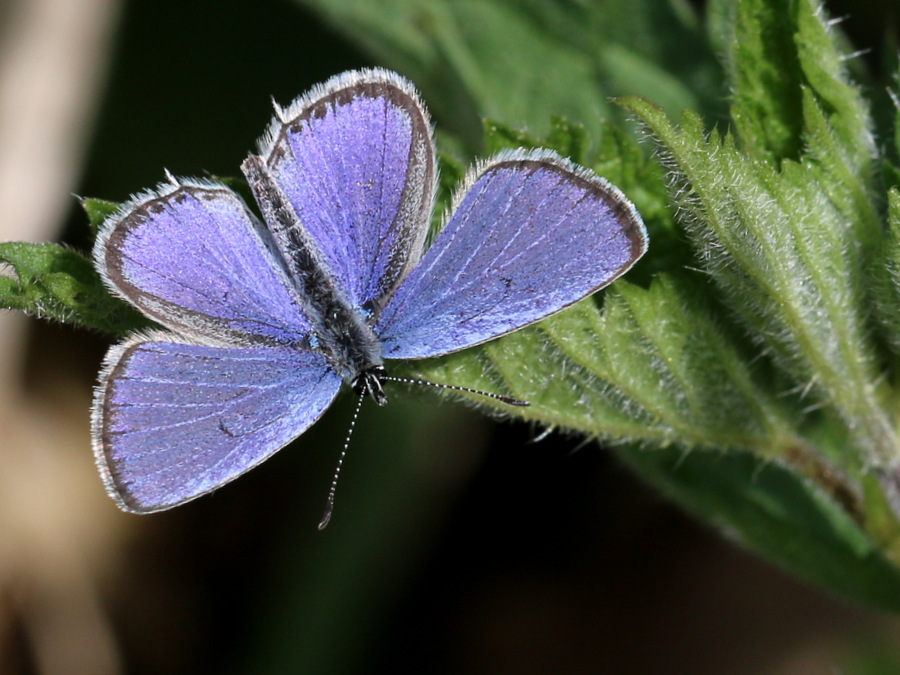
[568,57]
[780,249]
[97,211]
[651,367]
[887,280]
[765,69]
[786,225]
[54,282]
[568,139]
[846,111]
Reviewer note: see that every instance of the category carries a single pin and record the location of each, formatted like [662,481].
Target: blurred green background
[458,545]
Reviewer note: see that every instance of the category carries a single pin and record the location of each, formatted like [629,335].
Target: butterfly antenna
[329,503]
[509,400]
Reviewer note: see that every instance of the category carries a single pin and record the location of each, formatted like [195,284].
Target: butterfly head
[368,383]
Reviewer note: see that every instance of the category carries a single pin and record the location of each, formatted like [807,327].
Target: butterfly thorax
[350,345]
[347,341]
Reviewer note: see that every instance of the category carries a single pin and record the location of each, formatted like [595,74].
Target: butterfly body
[265,319]
[341,332]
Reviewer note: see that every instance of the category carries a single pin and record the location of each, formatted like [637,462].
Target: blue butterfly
[264,321]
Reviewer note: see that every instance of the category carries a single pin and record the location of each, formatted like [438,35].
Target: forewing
[193,257]
[355,159]
[173,421]
[530,235]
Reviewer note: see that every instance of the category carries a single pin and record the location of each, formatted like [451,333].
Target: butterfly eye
[368,309]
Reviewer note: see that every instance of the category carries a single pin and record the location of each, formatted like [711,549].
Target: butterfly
[265,319]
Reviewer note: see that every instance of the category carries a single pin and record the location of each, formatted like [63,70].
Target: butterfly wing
[172,421]
[192,256]
[530,235]
[355,159]
[179,414]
